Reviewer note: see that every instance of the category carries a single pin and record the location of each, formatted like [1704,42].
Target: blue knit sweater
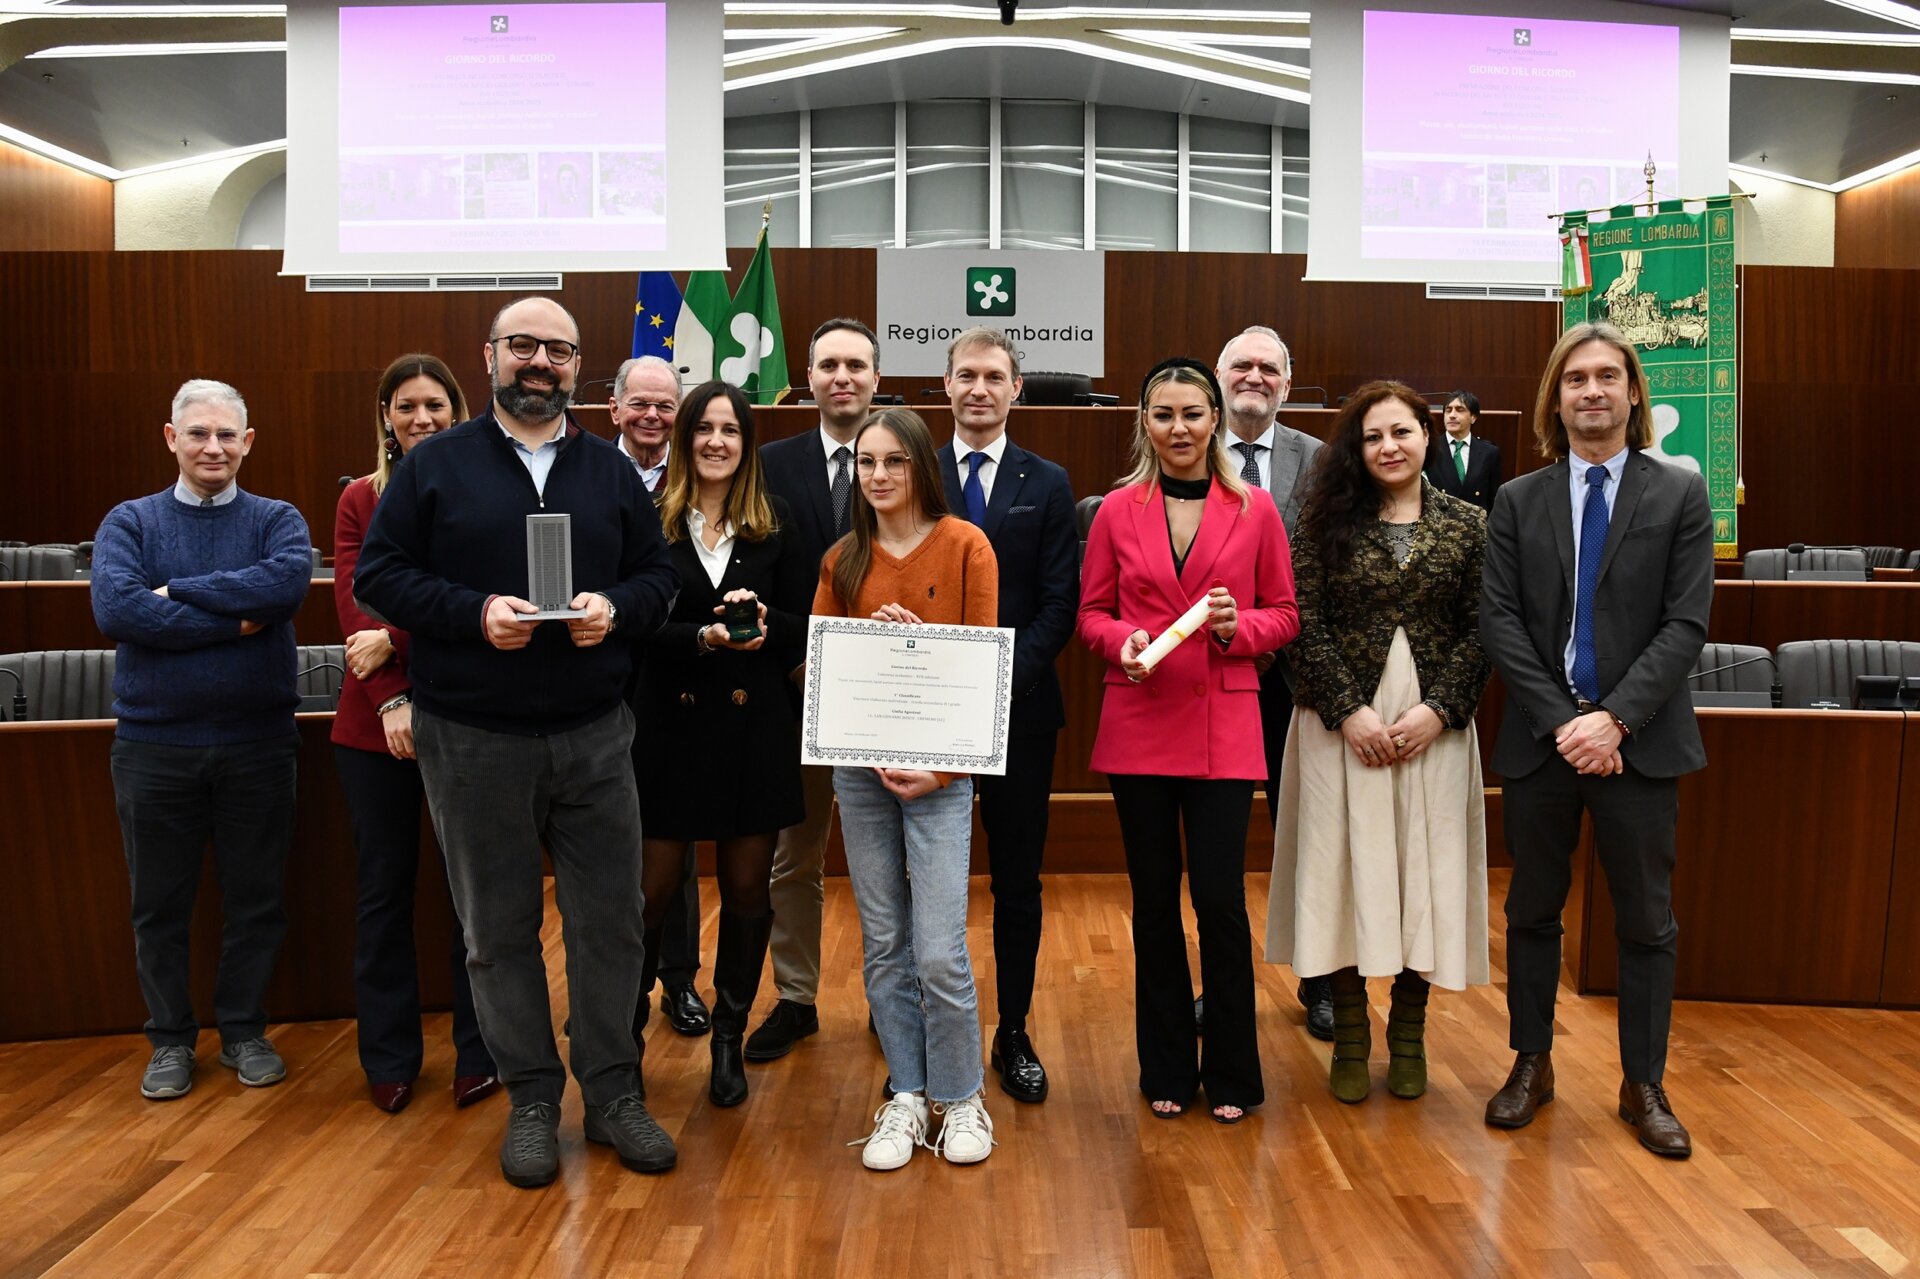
[185,676]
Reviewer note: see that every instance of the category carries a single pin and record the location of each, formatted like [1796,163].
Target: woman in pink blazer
[1181,743]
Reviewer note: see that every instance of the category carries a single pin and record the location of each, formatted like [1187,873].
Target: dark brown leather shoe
[468,1089]
[1646,1107]
[1529,1086]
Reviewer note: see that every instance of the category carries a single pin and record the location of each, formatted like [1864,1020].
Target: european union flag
[656,309]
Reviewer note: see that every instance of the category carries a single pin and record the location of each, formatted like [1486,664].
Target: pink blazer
[1198,714]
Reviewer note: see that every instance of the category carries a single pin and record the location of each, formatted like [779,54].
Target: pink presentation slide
[515,127]
[1475,129]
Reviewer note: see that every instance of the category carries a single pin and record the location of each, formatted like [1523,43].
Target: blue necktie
[1593,544]
[975,495]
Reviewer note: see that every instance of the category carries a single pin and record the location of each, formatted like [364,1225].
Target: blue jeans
[908,864]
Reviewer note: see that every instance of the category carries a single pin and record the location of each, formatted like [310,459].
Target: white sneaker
[966,1137]
[898,1127]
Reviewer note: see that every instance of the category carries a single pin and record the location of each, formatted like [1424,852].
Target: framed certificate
[889,695]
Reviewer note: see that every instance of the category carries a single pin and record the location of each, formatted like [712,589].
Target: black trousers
[680,933]
[1152,812]
[1633,833]
[172,800]
[1013,810]
[385,795]
[1276,716]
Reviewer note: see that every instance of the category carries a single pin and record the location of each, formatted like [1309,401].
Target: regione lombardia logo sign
[990,290]
[499,24]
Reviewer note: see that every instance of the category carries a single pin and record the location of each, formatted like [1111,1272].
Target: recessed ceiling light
[158,50]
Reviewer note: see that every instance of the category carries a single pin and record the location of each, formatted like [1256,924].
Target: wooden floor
[1806,1124]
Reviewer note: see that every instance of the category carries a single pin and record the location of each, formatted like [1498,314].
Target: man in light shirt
[646,392]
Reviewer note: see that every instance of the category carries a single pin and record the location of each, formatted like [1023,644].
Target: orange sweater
[950,579]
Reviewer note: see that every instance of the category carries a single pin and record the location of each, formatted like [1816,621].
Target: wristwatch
[613,614]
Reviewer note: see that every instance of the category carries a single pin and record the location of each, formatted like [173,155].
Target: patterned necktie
[1249,466]
[1593,544]
[840,490]
[1460,458]
[974,492]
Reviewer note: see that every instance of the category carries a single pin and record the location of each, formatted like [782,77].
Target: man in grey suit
[1594,603]
[1256,372]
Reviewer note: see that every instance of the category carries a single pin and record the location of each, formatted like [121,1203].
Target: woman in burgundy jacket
[373,751]
[1180,741]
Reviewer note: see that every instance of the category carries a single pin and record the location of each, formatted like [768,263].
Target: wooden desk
[1772,613]
[66,905]
[56,615]
[1798,872]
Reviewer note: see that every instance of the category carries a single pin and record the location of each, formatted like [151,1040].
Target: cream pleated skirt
[1380,868]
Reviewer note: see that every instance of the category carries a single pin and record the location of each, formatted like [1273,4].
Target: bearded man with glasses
[522,728]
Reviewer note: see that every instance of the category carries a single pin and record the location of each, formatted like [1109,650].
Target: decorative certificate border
[994,761]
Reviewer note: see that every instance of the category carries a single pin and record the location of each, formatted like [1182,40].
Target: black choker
[1186,490]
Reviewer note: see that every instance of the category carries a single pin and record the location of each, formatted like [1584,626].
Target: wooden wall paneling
[1877,224]
[1825,355]
[1900,973]
[48,206]
[64,916]
[1731,618]
[1784,611]
[1783,901]
[13,628]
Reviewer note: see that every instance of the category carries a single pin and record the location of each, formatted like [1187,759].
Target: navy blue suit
[1031,524]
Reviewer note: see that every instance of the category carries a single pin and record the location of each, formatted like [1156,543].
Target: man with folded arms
[199,585]
[522,729]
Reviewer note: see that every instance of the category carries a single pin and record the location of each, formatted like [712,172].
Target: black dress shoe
[684,1009]
[784,1027]
[1022,1077]
[1316,996]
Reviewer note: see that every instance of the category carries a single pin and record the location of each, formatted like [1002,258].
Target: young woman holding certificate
[907,832]
[715,700]
[1184,547]
[1380,845]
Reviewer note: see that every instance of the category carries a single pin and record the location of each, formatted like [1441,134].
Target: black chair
[1734,675]
[1846,563]
[1041,389]
[72,683]
[1823,671]
[321,669]
[1885,556]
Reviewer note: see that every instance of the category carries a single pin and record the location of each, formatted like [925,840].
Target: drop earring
[393,444]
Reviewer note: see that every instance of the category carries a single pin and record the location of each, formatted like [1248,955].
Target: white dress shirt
[1262,454]
[715,560]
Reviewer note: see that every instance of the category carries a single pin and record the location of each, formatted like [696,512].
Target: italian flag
[1576,266]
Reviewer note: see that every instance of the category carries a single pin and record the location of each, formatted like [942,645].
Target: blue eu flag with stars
[656,309]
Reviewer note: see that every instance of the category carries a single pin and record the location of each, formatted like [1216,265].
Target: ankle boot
[737,963]
[1352,1037]
[1406,1036]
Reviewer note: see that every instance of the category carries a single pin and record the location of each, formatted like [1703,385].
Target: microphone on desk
[19,696]
[1774,691]
[345,480]
[1801,548]
[319,701]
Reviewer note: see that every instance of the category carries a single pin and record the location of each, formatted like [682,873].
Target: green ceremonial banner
[1666,280]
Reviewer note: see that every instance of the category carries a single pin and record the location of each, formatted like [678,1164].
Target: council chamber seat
[1814,671]
[45,562]
[74,683]
[1778,564]
[320,669]
[1886,556]
[1734,675]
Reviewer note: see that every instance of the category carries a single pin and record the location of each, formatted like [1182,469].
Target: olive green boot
[1352,1037]
[1406,1036]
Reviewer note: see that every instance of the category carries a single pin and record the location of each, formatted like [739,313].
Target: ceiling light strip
[1821,73]
[60,155]
[157,50]
[231,153]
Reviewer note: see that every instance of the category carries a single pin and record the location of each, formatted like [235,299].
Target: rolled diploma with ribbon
[1190,622]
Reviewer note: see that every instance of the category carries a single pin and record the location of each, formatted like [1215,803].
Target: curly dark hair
[1342,495]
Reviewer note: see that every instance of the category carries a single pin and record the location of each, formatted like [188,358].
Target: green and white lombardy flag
[1666,280]
[704,308]
[752,352]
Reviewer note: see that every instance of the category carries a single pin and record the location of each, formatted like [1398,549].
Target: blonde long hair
[1146,462]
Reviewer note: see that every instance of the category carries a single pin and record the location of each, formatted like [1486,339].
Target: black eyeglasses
[523,345]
